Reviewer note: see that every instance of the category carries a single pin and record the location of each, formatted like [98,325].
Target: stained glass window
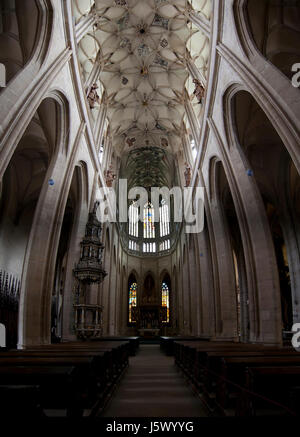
[149,247]
[164,219]
[149,227]
[165,245]
[133,220]
[194,149]
[133,245]
[165,297]
[132,300]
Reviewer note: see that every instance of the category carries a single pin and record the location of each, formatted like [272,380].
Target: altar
[149,332]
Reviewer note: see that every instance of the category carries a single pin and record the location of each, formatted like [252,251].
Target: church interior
[111,304]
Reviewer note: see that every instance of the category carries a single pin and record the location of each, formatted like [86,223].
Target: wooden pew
[167,344]
[233,369]
[100,361]
[207,366]
[98,368]
[20,401]
[59,385]
[117,353]
[276,383]
[134,342]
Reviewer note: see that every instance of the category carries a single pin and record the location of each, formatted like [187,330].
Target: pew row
[222,375]
[167,343]
[72,379]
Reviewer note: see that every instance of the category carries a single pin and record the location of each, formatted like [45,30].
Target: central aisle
[152,387]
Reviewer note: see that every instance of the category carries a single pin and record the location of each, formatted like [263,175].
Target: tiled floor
[152,387]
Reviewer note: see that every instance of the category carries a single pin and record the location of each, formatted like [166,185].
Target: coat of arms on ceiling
[125,42]
[123,22]
[143,50]
[164,43]
[160,21]
[121,2]
[160,61]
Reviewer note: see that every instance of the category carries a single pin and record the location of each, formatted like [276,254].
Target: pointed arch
[269,163]
[165,296]
[132,298]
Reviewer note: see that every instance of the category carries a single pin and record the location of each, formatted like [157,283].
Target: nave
[119,377]
[153,387]
[111,111]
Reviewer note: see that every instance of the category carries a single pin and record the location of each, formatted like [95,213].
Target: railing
[173,237]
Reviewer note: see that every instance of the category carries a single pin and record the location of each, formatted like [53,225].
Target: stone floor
[153,387]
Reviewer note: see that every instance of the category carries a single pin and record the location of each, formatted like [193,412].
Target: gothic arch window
[149,247]
[149,227]
[132,299]
[164,219]
[104,141]
[165,299]
[193,147]
[165,245]
[133,220]
[165,302]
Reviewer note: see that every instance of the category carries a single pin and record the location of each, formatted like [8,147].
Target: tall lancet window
[164,219]
[193,148]
[165,301]
[132,301]
[133,220]
[149,227]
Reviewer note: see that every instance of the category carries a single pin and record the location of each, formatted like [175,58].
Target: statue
[187,175]
[164,142]
[199,90]
[109,176]
[149,289]
[130,141]
[144,71]
[93,97]
[96,204]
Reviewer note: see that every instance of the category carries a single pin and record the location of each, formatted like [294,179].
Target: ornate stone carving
[164,142]
[88,321]
[199,90]
[130,141]
[93,97]
[164,43]
[89,270]
[109,176]
[144,70]
[187,175]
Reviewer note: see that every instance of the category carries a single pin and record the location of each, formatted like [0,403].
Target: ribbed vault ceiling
[143,47]
[148,167]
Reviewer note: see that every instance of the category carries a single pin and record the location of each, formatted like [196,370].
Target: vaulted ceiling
[143,47]
[148,167]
